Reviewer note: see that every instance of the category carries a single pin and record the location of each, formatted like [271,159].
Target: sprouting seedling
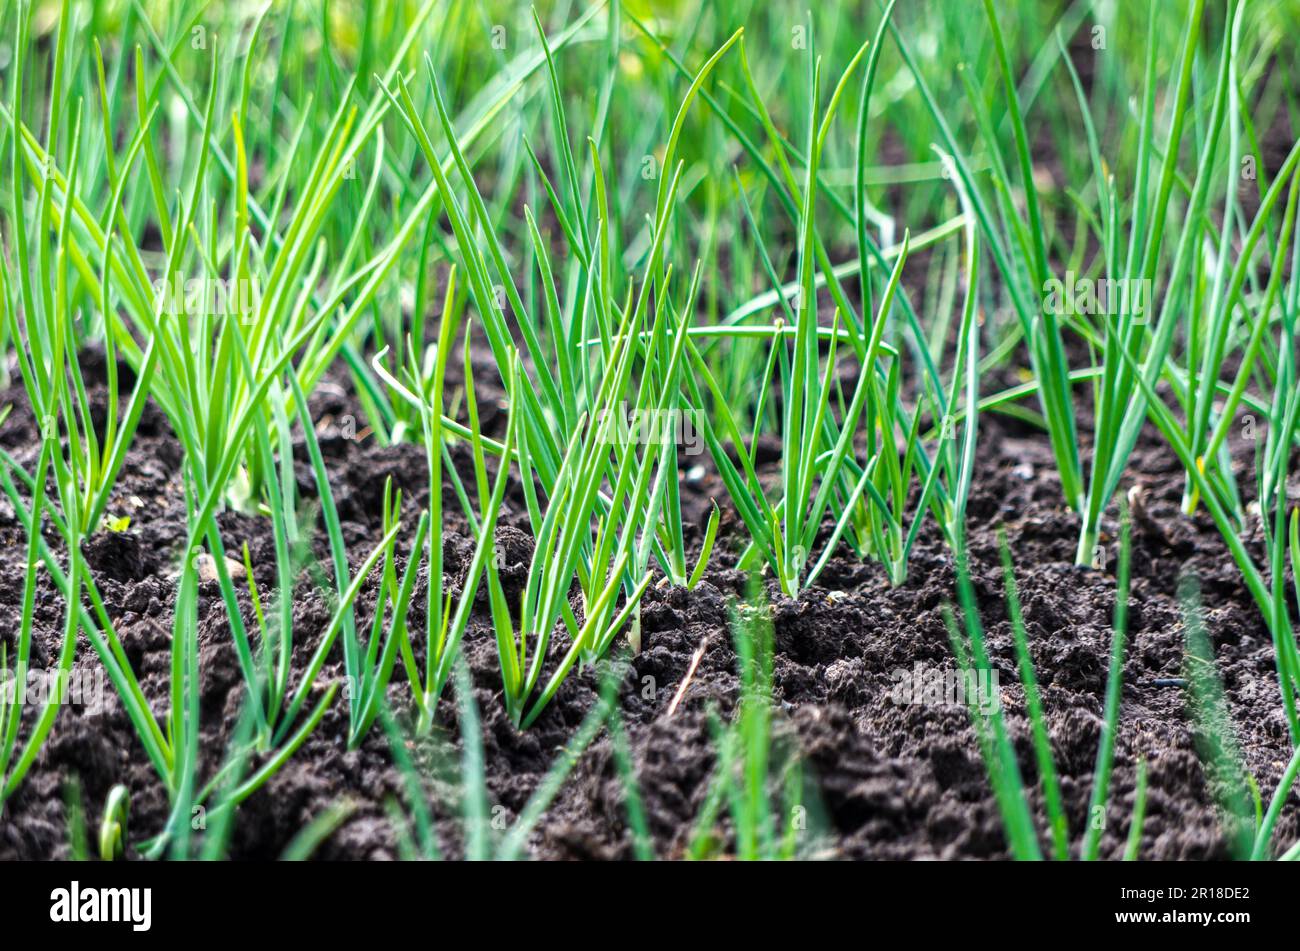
[421,389]
[266,665]
[822,476]
[210,819]
[1246,825]
[760,779]
[1146,243]
[706,548]
[994,737]
[74,806]
[566,550]
[600,523]
[642,841]
[309,839]
[1232,786]
[113,826]
[486,836]
[46,375]
[1272,472]
[1099,801]
[259,245]
[569,385]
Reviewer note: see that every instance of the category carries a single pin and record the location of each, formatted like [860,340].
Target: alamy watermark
[946,687]
[204,297]
[76,904]
[625,426]
[80,686]
[1091,296]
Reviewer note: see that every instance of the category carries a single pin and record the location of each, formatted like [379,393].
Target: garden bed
[888,780]
[431,433]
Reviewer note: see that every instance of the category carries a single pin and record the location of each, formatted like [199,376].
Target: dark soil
[892,781]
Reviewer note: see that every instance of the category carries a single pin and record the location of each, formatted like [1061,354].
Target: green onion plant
[970,649]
